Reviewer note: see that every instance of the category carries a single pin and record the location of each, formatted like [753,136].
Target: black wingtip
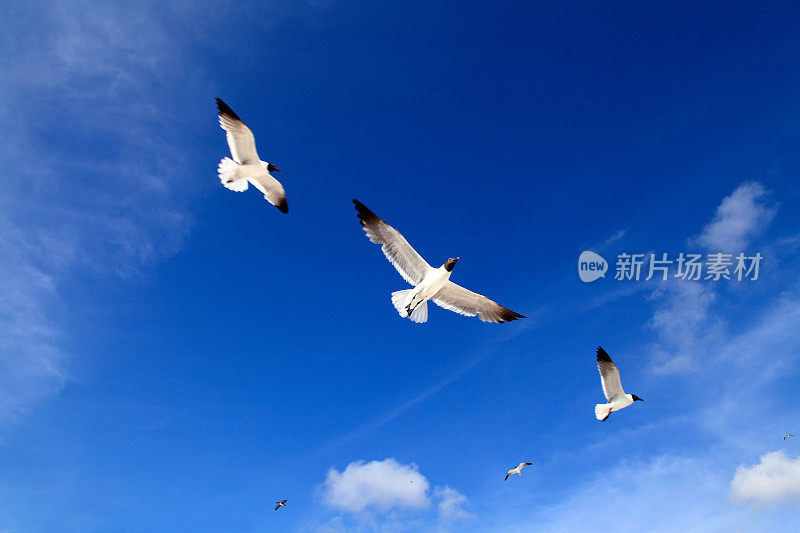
[283,207]
[602,355]
[507,315]
[224,109]
[364,212]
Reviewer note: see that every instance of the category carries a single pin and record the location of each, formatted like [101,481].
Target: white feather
[420,314]
[229,175]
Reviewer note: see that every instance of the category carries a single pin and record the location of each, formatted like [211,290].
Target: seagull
[517,470]
[788,436]
[280,504]
[246,166]
[429,283]
[612,387]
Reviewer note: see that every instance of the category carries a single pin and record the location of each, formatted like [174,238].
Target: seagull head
[272,168]
[636,398]
[451,263]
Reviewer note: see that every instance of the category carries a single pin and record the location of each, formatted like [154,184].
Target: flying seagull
[246,166]
[612,387]
[517,470]
[429,283]
[280,504]
[788,436]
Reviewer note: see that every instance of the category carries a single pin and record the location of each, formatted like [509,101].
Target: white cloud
[389,496]
[377,485]
[774,480]
[451,504]
[739,218]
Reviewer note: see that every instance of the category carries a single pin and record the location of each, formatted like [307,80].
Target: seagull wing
[609,375]
[272,190]
[395,247]
[465,302]
[240,138]
[509,473]
[524,464]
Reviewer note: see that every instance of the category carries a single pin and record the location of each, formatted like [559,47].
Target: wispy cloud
[742,216]
[89,168]
[682,319]
[733,373]
[617,235]
[663,494]
[451,504]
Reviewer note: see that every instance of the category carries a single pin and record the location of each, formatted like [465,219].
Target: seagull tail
[420,314]
[229,175]
[602,411]
[401,301]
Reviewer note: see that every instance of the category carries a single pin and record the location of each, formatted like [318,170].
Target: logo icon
[591,266]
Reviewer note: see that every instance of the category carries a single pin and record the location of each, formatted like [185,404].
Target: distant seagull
[517,470]
[612,387]
[429,283]
[246,165]
[788,436]
[280,504]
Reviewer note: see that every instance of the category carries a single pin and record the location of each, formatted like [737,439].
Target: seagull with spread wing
[789,436]
[612,387]
[429,283]
[278,505]
[517,470]
[246,167]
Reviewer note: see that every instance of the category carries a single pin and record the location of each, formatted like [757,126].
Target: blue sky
[176,356]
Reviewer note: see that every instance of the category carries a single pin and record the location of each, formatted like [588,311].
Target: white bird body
[415,300]
[517,470]
[428,283]
[246,167]
[602,410]
[612,387]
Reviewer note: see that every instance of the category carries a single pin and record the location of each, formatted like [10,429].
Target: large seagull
[429,283]
[612,387]
[246,166]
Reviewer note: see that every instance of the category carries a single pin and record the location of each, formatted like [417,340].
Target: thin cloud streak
[468,364]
